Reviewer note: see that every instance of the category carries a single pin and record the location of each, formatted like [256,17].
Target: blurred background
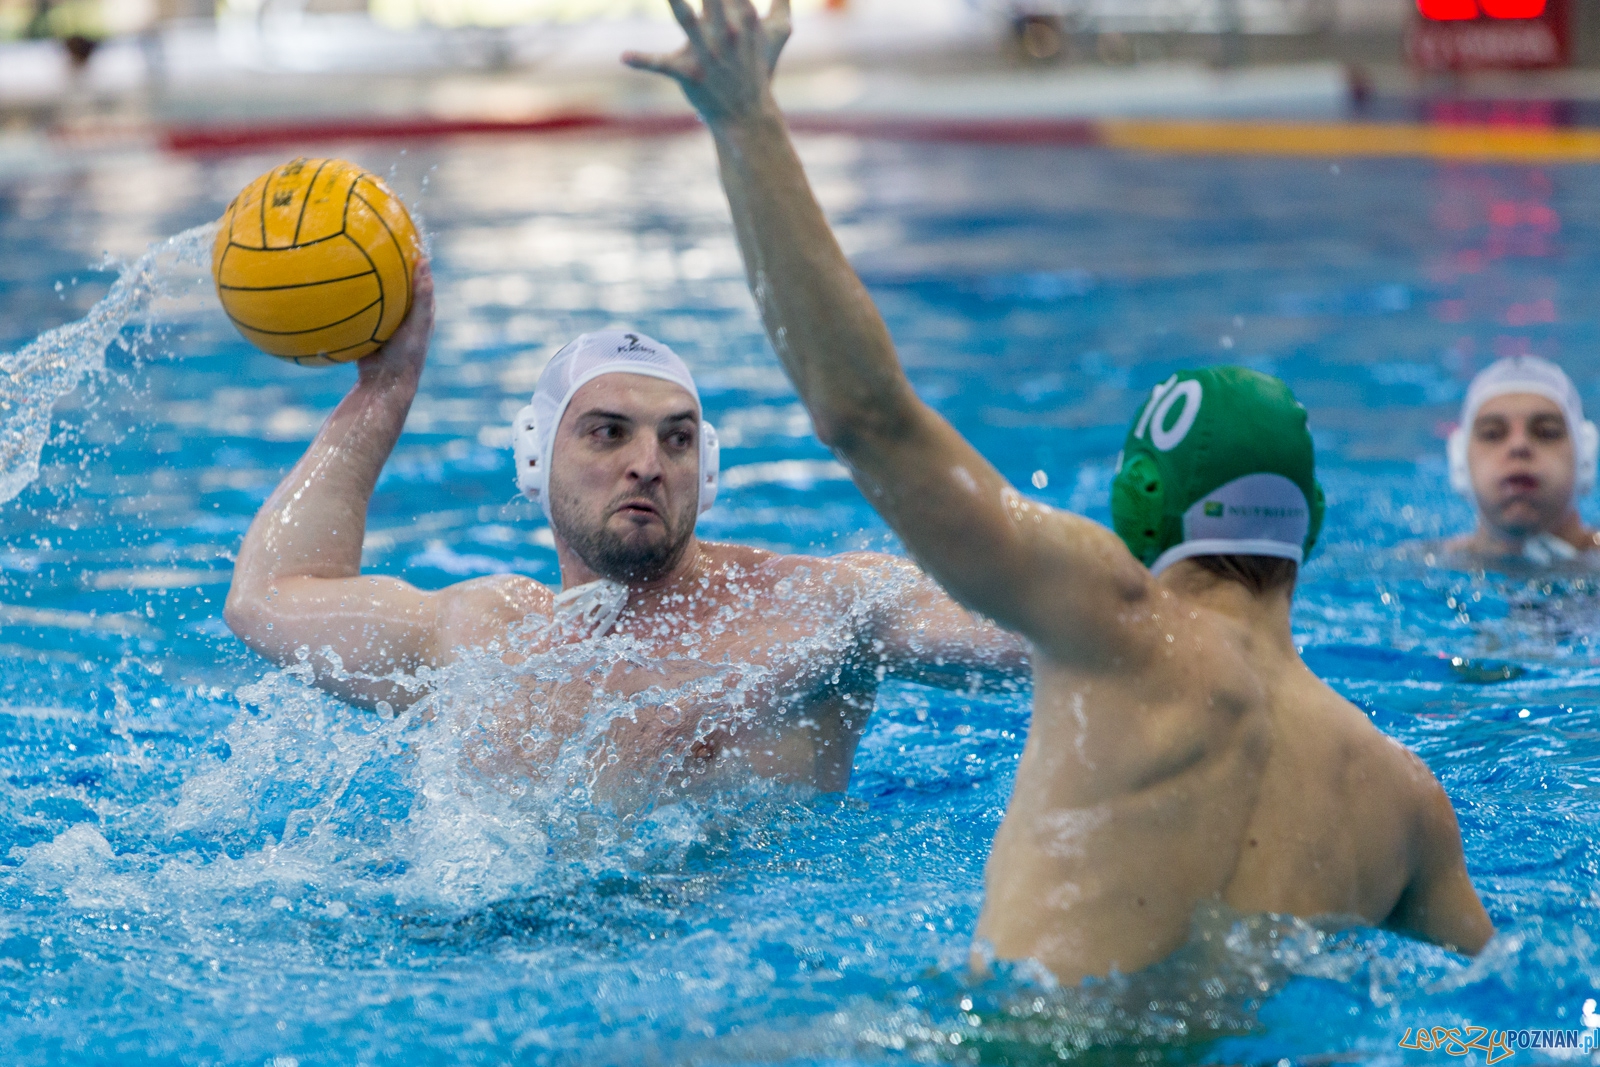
[213,73]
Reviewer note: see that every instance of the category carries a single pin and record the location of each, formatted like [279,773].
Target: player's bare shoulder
[483,610]
[1372,771]
[775,573]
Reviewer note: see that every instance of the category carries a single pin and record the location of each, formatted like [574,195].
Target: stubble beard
[609,555]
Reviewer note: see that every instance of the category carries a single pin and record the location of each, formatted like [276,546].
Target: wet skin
[1180,752]
[1524,469]
[784,653]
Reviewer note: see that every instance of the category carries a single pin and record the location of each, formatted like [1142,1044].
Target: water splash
[33,378]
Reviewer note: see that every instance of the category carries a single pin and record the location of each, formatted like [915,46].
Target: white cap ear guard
[533,469]
[1540,377]
[582,361]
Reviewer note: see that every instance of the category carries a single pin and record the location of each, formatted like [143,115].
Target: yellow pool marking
[1519,144]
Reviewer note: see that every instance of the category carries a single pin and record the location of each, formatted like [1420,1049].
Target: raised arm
[1058,578]
[297,582]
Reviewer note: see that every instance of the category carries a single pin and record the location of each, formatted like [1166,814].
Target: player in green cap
[1180,752]
[1219,463]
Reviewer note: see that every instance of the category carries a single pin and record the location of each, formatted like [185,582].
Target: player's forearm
[314,523]
[981,659]
[821,320]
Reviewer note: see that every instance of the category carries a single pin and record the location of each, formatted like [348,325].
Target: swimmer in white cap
[1525,455]
[782,656]
[1181,755]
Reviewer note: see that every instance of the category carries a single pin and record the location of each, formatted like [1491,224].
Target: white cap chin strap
[533,467]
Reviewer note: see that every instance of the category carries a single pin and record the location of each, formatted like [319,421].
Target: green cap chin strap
[1219,462]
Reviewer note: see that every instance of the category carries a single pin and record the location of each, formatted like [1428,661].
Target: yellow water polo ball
[313,262]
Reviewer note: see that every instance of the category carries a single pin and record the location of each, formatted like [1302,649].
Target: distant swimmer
[1180,752]
[1525,455]
[738,660]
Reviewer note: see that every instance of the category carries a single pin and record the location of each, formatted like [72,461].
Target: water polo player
[1525,455]
[1180,751]
[737,658]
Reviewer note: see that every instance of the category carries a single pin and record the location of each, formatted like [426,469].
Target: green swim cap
[1219,463]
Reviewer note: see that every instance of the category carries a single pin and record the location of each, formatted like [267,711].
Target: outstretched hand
[727,66]
[402,355]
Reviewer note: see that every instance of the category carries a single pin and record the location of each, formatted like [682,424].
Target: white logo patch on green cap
[1257,515]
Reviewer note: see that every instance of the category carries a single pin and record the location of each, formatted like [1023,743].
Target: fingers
[418,323]
[779,21]
[679,65]
[778,27]
[422,287]
[690,23]
[716,13]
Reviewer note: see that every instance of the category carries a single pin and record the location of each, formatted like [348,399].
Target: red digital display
[1490,34]
[1459,10]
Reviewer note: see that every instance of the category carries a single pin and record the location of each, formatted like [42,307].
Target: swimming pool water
[204,862]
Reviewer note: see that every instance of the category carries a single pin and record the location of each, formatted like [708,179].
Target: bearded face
[624,476]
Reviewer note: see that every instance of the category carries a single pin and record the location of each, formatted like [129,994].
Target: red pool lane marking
[247,138]
[1513,142]
[224,139]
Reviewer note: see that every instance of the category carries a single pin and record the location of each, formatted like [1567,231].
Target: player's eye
[1548,428]
[607,431]
[1490,431]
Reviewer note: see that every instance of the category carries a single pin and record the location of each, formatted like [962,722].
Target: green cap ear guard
[1219,462]
[1137,496]
[1319,511]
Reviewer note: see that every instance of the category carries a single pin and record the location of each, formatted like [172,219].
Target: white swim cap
[533,433]
[1525,374]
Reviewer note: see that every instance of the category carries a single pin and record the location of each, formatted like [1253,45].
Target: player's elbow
[247,614]
[854,423]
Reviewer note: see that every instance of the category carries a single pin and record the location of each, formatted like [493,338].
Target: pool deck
[220,89]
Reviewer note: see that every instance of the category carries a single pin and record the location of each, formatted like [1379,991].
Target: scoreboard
[1460,35]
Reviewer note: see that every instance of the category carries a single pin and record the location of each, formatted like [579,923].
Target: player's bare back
[1211,765]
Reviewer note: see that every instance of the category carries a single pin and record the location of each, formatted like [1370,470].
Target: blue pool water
[203,862]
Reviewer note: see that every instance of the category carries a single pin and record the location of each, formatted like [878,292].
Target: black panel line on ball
[308,329]
[327,357]
[396,241]
[344,220]
[371,264]
[294,285]
[296,248]
[306,203]
[266,187]
[336,351]
[226,225]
